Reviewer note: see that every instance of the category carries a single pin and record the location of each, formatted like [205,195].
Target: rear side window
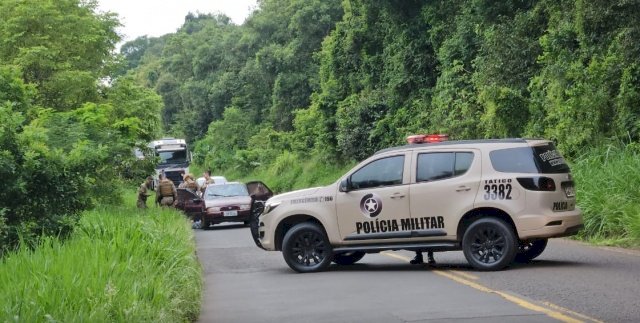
[436,166]
[539,159]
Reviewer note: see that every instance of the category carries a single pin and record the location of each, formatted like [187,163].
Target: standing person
[418,258]
[166,195]
[143,192]
[207,180]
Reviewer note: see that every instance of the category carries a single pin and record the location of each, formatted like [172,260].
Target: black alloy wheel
[529,250]
[489,244]
[348,258]
[306,248]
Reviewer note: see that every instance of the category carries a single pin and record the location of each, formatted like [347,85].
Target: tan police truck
[497,200]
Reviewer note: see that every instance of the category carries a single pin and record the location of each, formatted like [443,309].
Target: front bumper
[218,217]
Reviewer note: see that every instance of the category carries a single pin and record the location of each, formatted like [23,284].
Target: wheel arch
[287,223]
[474,214]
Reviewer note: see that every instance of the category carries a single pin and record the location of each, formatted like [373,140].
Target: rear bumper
[559,224]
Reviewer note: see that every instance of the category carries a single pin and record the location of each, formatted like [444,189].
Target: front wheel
[306,248]
[348,258]
[529,250]
[489,244]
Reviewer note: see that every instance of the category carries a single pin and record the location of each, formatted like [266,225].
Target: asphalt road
[569,282]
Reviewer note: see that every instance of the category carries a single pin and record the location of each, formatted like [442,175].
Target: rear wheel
[306,248]
[529,250]
[348,258]
[489,244]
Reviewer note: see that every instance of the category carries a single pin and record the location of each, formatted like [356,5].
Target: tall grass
[120,265]
[608,191]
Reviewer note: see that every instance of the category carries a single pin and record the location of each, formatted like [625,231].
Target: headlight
[270,206]
[245,207]
[213,209]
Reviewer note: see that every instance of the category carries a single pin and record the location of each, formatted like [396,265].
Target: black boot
[417,259]
[430,259]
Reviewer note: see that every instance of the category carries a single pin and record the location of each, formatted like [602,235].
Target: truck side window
[382,172]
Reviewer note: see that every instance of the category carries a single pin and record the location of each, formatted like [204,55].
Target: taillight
[537,183]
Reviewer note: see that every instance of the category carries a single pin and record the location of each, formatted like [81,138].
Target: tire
[306,248]
[254,221]
[348,258]
[206,225]
[529,250]
[489,244]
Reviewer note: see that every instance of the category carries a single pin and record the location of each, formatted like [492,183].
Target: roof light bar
[426,139]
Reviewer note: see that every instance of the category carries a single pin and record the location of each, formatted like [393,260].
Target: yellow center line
[568,311]
[465,275]
[517,300]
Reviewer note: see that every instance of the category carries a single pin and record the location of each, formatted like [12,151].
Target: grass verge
[607,181]
[120,265]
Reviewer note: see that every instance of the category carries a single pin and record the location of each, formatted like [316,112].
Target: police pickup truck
[497,200]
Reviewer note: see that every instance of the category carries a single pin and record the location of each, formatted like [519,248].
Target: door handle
[463,189]
[397,196]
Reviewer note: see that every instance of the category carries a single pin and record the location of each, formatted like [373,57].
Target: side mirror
[345,185]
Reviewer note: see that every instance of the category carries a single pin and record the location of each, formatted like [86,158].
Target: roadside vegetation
[66,133]
[607,189]
[119,265]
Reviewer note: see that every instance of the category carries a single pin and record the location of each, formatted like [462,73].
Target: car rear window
[544,159]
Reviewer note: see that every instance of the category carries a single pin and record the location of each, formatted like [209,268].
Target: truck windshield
[173,157]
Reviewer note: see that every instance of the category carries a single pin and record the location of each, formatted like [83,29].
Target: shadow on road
[445,266]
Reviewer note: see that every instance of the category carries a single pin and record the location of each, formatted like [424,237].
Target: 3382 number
[497,192]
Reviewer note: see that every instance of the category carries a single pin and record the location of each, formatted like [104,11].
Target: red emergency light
[426,139]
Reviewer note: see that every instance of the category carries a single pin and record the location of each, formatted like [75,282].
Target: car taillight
[537,183]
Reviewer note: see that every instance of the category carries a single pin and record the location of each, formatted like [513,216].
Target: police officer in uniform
[143,192]
[166,195]
[189,183]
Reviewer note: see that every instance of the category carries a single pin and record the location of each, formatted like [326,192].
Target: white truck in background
[174,158]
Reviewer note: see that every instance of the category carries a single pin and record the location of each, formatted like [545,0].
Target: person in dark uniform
[143,192]
[166,195]
[418,258]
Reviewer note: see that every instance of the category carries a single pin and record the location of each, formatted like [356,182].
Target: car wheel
[306,248]
[489,244]
[206,225]
[348,258]
[529,250]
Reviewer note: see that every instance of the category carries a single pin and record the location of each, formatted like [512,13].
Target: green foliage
[606,180]
[66,139]
[61,46]
[120,265]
